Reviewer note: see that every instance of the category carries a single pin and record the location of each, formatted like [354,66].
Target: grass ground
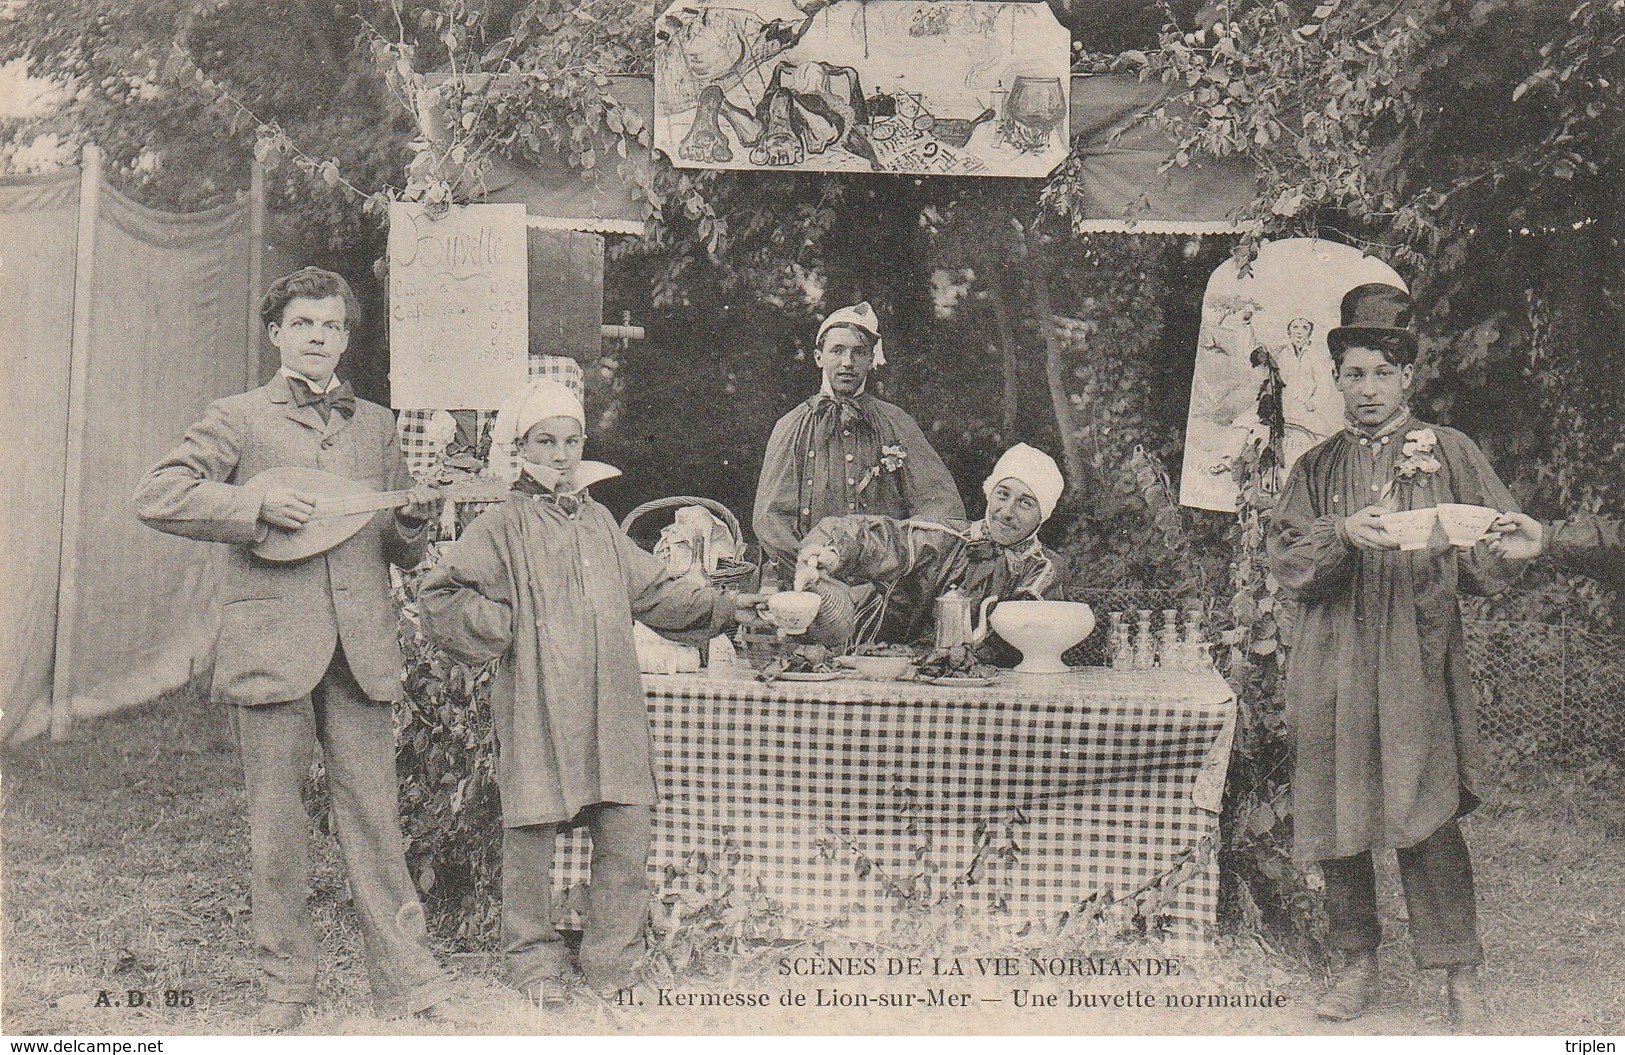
[124,856]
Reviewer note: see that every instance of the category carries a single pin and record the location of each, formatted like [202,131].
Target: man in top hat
[844,451]
[1378,692]
[307,650]
[912,562]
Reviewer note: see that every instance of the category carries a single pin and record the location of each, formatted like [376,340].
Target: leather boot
[1464,997]
[1353,991]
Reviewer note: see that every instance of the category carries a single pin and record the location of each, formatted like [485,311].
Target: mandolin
[343,507]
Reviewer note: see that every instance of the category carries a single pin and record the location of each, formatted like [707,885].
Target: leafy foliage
[451,815]
[1264,887]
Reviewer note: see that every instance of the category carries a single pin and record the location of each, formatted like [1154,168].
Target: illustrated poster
[908,86]
[1267,327]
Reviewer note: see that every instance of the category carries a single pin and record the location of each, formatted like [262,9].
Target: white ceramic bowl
[1412,528]
[878,668]
[793,611]
[1042,630]
[1465,524]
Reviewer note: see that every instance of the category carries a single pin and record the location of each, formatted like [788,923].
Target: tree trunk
[1007,349]
[1055,373]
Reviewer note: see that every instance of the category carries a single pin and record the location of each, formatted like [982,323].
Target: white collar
[332,381]
[587,473]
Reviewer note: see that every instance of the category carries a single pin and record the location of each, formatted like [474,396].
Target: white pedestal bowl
[1042,630]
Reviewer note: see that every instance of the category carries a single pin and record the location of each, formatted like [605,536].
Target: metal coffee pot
[958,621]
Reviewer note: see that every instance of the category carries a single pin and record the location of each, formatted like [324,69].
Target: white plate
[813,675]
[960,681]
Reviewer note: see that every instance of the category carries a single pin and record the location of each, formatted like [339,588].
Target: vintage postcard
[810,517]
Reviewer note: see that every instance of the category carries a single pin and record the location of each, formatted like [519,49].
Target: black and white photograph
[812,518]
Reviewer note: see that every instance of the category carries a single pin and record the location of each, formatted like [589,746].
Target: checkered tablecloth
[829,791]
[422,448]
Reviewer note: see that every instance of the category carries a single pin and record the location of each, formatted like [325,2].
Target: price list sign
[458,321]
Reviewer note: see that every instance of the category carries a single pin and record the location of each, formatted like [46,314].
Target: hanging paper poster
[932,87]
[1261,359]
[458,323]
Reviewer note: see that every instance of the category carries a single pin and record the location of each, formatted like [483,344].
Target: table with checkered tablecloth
[845,797]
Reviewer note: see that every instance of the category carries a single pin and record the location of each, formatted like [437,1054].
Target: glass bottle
[1168,639]
[1145,646]
[1120,651]
[1194,651]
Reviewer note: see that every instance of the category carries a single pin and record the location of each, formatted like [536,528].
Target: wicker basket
[735,575]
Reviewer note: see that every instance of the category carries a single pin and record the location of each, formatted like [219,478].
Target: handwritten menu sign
[458,322]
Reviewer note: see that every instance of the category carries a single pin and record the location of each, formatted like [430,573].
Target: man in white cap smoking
[844,452]
[912,562]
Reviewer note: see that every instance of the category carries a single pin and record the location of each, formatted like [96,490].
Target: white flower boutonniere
[1417,458]
[892,457]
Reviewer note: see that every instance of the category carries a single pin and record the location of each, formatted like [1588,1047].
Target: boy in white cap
[843,451]
[550,584]
[912,562]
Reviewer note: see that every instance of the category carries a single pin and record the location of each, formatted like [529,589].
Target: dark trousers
[1437,875]
[358,749]
[617,898]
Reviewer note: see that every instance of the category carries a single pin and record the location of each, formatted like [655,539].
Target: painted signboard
[1263,337]
[928,87]
[458,314]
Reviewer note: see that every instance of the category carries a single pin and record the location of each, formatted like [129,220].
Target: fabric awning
[1118,153]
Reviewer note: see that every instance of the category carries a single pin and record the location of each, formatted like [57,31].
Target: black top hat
[1376,315]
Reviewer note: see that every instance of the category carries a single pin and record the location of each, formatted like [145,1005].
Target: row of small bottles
[1133,646]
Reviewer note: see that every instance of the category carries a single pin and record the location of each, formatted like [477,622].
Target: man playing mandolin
[307,649]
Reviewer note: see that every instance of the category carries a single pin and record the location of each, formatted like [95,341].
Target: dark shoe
[1464,997]
[1353,991]
[278,1016]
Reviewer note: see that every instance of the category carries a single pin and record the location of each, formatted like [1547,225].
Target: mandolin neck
[367,503]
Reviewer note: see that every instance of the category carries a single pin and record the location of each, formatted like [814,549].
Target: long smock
[818,458]
[1379,695]
[553,590]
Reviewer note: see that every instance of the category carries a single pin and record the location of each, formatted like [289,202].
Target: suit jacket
[279,622]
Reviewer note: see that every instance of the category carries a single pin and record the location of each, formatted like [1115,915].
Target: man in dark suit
[308,650]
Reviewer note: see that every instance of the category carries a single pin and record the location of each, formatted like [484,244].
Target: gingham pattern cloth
[1117,774]
[413,425]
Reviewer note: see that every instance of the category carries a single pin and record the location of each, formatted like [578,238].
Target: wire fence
[1551,690]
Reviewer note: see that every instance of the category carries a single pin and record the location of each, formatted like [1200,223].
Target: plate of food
[804,663]
[955,666]
[880,662]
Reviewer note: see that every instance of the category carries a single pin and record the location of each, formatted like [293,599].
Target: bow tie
[341,399]
[848,410]
[987,550]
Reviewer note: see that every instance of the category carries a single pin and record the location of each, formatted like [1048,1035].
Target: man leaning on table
[912,562]
[1379,695]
